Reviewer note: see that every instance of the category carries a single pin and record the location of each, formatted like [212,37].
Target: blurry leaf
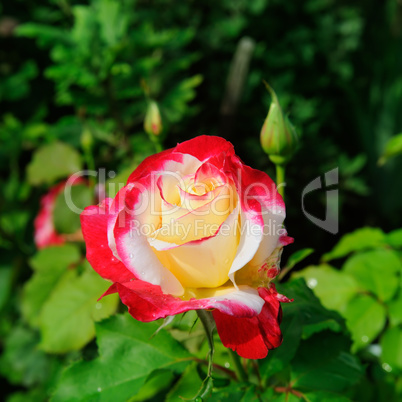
[112,20]
[5,284]
[377,271]
[68,206]
[51,162]
[234,393]
[334,288]
[49,265]
[302,317]
[394,238]
[392,148]
[45,34]
[365,318]
[358,240]
[15,222]
[187,385]
[287,396]
[323,363]
[391,345]
[16,86]
[83,29]
[351,166]
[157,381]
[68,129]
[395,310]
[175,102]
[22,362]
[127,355]
[320,396]
[33,395]
[297,257]
[67,317]
[356,185]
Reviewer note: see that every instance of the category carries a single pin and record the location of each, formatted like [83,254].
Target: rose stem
[238,367]
[280,179]
[208,323]
[156,141]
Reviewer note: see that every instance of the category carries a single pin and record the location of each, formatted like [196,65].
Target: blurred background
[77,79]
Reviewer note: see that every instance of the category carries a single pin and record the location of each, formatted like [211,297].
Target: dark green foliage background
[73,82]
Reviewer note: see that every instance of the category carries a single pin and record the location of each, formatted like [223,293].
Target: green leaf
[391,345]
[301,318]
[68,206]
[157,382]
[365,318]
[5,284]
[15,86]
[175,103]
[127,356]
[358,240]
[334,288]
[392,148]
[321,396]
[394,238]
[323,363]
[187,385]
[67,317]
[376,271]
[113,21]
[234,393]
[395,310]
[21,362]
[330,323]
[191,381]
[49,265]
[46,34]
[33,395]
[350,167]
[287,396]
[278,359]
[53,161]
[297,257]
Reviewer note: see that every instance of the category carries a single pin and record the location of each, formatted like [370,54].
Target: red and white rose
[195,228]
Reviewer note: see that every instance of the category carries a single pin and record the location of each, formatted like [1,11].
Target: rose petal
[204,147]
[132,245]
[94,228]
[206,262]
[252,337]
[263,212]
[147,302]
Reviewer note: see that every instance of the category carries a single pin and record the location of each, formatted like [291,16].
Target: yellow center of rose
[198,234]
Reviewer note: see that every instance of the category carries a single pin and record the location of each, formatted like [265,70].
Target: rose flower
[195,228]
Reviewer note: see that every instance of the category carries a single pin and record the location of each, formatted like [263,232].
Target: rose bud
[279,138]
[153,120]
[194,228]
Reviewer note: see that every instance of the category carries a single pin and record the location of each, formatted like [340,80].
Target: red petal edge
[94,228]
[204,147]
[253,337]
